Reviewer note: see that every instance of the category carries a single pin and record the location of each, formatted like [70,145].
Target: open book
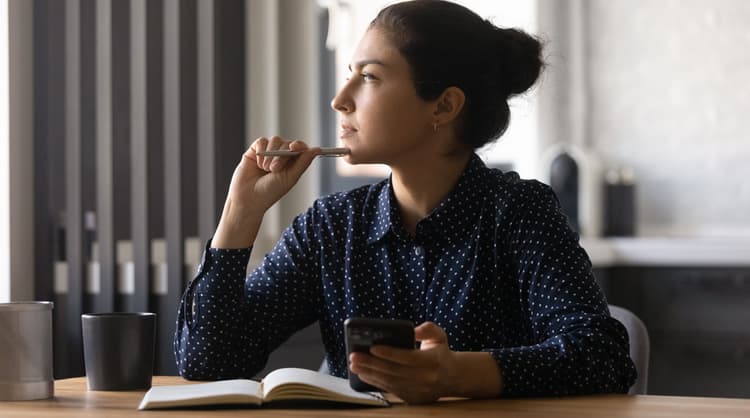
[289,384]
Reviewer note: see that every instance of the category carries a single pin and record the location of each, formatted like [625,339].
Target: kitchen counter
[669,251]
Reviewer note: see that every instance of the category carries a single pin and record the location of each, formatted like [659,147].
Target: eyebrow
[362,63]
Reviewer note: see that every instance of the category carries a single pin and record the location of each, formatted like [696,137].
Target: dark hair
[448,45]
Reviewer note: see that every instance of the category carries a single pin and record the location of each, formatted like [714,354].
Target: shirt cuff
[220,271]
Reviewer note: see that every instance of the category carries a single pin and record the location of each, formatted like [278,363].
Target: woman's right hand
[257,183]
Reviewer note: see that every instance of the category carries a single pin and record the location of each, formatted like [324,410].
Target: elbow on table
[617,375]
[189,371]
[211,367]
[192,366]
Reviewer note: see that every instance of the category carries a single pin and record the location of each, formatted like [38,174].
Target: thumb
[431,333]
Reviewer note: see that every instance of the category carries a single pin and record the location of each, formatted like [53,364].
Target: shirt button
[418,251]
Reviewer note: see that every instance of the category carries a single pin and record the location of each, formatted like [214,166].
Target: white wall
[16,175]
[669,95]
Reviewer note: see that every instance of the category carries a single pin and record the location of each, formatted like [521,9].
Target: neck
[420,186]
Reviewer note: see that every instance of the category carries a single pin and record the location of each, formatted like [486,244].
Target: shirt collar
[387,218]
[447,217]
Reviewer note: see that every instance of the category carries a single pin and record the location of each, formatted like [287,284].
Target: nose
[342,101]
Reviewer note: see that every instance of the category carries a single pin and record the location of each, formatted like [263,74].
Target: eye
[367,76]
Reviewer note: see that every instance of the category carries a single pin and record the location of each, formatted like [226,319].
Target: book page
[237,391]
[294,383]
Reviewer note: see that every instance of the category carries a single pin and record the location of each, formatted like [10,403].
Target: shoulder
[531,208]
[517,195]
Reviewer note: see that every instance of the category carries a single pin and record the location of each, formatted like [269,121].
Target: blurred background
[121,122]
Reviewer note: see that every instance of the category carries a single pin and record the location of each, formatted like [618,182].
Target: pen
[324,152]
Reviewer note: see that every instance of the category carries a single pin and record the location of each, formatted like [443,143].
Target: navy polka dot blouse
[495,265]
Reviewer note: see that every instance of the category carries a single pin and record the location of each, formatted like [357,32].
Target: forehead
[376,46]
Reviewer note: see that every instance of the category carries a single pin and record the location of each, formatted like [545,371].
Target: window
[347,20]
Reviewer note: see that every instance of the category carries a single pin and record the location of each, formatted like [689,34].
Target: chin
[362,156]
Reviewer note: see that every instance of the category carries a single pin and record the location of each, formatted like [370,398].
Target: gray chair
[324,367]
[640,346]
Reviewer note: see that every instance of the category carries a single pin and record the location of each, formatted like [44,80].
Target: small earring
[434,127]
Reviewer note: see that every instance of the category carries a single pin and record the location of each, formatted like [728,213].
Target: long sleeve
[579,348]
[228,324]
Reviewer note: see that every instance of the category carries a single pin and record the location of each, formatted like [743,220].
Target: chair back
[640,345]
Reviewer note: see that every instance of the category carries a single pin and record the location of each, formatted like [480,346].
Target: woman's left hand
[416,376]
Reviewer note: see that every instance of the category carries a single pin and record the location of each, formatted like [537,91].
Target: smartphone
[361,333]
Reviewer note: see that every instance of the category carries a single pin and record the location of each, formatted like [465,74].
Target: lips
[347,130]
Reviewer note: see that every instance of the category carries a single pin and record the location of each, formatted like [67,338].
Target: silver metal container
[26,351]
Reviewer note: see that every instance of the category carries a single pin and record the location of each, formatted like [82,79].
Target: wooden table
[73,400]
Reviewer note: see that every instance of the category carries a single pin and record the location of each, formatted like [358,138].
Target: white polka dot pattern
[495,265]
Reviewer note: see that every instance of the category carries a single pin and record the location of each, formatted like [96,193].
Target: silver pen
[324,152]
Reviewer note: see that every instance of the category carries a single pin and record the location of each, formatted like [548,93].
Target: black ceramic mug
[118,350]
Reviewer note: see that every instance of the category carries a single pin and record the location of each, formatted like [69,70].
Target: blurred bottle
[619,203]
[575,177]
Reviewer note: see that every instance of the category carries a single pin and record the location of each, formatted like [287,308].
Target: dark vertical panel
[155,193]
[44,216]
[121,122]
[73,188]
[230,101]
[173,225]
[206,142]
[87,121]
[155,116]
[49,169]
[120,53]
[188,98]
[104,300]
[140,171]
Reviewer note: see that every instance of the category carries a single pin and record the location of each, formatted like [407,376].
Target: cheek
[394,114]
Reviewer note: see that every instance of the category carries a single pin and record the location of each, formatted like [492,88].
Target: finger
[402,356]
[380,365]
[381,382]
[414,387]
[297,146]
[360,362]
[409,391]
[250,153]
[248,164]
[430,332]
[249,156]
[275,143]
[259,146]
[282,163]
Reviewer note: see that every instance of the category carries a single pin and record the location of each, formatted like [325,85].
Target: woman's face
[382,118]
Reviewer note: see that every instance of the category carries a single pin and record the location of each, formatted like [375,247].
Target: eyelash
[365,76]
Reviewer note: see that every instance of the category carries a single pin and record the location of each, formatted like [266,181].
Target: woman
[484,262]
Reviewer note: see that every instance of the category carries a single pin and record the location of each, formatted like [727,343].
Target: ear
[449,105]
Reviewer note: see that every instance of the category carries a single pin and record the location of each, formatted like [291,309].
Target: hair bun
[520,59]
